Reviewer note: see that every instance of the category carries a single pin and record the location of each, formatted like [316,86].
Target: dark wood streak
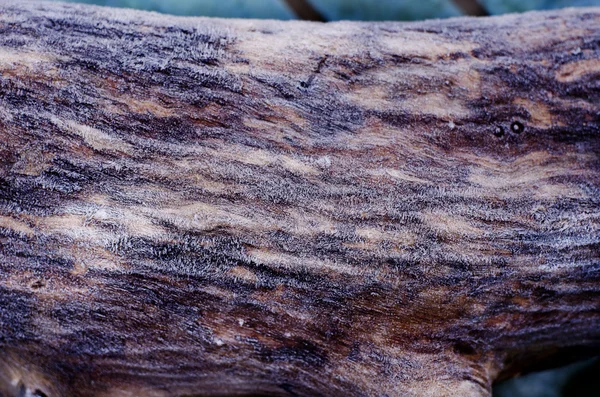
[195,206]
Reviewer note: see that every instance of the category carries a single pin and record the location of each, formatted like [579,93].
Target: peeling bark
[194,206]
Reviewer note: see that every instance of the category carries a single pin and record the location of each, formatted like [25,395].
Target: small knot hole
[498,131]
[517,127]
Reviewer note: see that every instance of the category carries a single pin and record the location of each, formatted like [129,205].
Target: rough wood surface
[236,207]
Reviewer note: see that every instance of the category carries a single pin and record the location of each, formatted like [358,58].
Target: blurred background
[576,380]
[332,10]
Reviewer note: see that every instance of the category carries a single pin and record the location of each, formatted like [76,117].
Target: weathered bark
[229,207]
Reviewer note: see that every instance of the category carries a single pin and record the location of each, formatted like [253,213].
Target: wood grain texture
[211,207]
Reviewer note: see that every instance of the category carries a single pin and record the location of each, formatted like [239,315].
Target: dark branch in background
[472,8]
[304,10]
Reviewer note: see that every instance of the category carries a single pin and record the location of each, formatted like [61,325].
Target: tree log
[193,206]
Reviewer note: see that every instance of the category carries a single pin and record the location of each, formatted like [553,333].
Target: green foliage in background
[506,6]
[575,380]
[274,9]
[368,10]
